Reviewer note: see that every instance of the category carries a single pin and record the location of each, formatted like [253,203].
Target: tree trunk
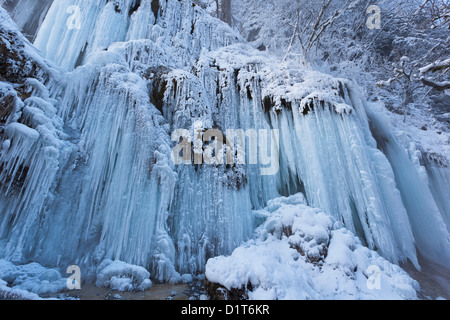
[225,11]
[408,98]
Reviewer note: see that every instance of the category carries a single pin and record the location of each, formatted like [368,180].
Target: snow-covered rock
[121,276]
[29,281]
[302,253]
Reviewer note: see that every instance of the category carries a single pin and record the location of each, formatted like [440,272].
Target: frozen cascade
[112,126]
[180,27]
[90,158]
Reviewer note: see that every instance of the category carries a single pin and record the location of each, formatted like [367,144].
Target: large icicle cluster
[178,28]
[87,173]
[423,181]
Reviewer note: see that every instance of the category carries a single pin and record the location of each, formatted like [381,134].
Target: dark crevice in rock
[268,104]
[6,108]
[158,85]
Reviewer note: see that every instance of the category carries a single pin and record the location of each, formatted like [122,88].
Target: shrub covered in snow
[302,253]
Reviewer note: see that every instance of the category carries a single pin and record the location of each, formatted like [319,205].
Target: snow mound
[301,253]
[8,293]
[121,276]
[28,281]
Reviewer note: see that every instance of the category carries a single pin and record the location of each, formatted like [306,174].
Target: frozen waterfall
[86,169]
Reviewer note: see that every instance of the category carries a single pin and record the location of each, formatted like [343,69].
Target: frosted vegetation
[87,178]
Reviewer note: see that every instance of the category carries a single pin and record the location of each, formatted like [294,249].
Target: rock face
[87,164]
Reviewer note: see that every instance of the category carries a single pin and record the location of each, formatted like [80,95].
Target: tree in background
[224,12]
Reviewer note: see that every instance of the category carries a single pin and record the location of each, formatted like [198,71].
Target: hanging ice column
[425,196]
[31,139]
[112,194]
[73,29]
[120,171]
[29,161]
[212,211]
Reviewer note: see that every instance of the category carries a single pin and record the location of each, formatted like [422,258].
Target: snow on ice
[302,253]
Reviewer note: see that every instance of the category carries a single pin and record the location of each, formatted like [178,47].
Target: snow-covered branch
[400,71]
[435,66]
